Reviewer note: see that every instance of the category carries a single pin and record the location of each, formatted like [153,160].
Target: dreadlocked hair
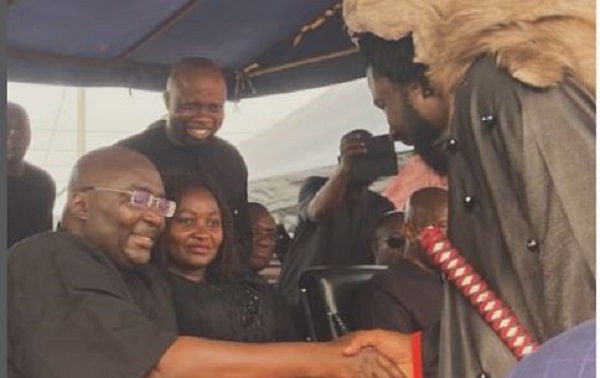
[227,262]
[394,60]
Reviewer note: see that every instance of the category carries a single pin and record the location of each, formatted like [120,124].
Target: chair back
[327,296]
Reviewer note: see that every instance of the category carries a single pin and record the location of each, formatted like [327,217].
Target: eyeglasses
[395,242]
[260,233]
[143,199]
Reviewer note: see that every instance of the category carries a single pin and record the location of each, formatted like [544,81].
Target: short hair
[393,60]
[390,216]
[258,208]
[424,203]
[227,264]
[193,63]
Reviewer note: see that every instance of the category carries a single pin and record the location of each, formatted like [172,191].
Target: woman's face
[195,232]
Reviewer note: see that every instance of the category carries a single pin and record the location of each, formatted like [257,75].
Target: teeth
[199,132]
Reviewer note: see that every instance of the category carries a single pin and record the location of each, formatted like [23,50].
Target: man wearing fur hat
[500,95]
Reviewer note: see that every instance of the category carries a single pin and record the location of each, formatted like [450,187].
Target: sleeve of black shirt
[307,192]
[69,317]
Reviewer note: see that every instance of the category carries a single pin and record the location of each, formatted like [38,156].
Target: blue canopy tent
[264,46]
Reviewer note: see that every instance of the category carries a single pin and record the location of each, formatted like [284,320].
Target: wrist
[343,171]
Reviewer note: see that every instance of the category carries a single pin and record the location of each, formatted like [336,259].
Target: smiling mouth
[200,249]
[145,241]
[198,133]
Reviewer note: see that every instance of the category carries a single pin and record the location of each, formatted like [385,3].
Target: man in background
[388,240]
[407,297]
[31,191]
[264,236]
[195,97]
[336,218]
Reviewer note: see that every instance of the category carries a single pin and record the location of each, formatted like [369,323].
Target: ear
[166,99]
[78,206]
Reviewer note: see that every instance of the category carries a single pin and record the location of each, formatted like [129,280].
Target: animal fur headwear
[537,41]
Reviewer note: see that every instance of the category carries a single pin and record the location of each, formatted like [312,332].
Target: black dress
[243,310]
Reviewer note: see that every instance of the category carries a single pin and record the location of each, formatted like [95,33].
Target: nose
[200,231]
[154,218]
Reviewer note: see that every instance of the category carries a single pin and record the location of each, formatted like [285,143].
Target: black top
[403,298]
[216,158]
[73,314]
[30,198]
[245,311]
[340,238]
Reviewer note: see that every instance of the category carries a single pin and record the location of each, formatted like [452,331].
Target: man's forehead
[198,77]
[145,179]
[263,219]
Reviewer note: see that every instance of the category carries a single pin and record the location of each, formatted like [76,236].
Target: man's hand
[352,144]
[365,363]
[394,345]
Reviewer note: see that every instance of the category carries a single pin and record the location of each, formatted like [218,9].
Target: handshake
[377,354]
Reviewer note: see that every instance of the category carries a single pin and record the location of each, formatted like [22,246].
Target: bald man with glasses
[84,301]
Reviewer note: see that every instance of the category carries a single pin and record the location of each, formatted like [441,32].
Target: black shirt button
[483,374]
[469,202]
[533,245]
[488,120]
[452,145]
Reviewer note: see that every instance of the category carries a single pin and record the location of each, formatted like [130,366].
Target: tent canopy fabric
[264,46]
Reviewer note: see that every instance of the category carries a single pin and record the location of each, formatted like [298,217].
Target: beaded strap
[495,313]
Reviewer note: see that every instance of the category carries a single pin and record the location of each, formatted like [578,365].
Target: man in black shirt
[195,97]
[30,190]
[336,218]
[84,302]
[407,297]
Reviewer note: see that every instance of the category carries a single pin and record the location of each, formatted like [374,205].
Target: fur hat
[537,41]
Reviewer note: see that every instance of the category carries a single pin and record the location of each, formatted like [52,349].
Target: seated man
[264,236]
[84,302]
[30,190]
[407,297]
[336,218]
[388,240]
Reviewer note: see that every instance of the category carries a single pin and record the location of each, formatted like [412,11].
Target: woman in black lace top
[214,296]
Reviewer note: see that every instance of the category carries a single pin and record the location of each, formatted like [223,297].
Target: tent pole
[81,118]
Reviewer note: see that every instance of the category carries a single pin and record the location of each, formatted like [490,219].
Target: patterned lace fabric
[231,311]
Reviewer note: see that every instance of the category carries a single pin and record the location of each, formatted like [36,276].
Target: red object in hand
[495,313]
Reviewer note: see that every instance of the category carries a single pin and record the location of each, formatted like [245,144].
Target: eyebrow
[146,189]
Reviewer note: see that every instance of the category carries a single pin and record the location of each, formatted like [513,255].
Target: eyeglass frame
[152,203]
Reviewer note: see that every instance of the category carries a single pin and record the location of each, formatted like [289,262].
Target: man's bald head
[103,166]
[192,66]
[428,206]
[100,206]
